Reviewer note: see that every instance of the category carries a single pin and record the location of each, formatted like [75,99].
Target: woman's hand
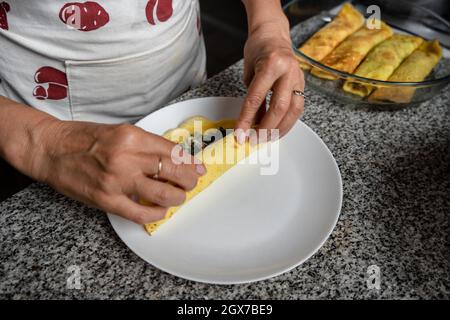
[106,165]
[270,64]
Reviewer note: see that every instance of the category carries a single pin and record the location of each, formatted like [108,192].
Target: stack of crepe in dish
[326,39]
[349,54]
[349,45]
[414,69]
[218,154]
[381,62]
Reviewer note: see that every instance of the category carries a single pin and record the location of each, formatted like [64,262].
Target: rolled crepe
[381,62]
[415,68]
[349,54]
[218,156]
[326,39]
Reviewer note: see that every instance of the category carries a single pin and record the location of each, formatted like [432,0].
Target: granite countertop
[395,168]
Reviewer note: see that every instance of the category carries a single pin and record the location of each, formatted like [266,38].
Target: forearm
[22,134]
[263,12]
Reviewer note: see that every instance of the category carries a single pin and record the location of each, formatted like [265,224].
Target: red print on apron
[87,16]
[158,10]
[4,8]
[55,81]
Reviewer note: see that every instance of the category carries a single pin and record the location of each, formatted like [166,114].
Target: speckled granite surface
[396,212]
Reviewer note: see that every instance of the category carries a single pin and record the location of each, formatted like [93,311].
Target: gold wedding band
[299,93]
[156,175]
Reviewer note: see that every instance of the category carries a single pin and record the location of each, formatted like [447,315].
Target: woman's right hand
[106,165]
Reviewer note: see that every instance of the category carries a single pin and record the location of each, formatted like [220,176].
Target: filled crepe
[213,145]
[415,68]
[326,39]
[349,54]
[381,62]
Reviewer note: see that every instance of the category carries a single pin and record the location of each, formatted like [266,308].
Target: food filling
[197,142]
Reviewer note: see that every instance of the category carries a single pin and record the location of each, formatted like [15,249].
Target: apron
[104,61]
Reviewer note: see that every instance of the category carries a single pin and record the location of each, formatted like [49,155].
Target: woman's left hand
[270,64]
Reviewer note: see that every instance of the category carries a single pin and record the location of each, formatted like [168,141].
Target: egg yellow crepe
[381,62]
[218,157]
[326,39]
[415,68]
[349,54]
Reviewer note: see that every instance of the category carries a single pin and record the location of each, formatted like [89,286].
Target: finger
[257,92]
[279,103]
[248,73]
[157,144]
[158,192]
[253,135]
[293,114]
[260,113]
[184,175]
[127,208]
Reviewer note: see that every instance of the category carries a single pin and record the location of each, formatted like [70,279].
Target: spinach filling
[197,142]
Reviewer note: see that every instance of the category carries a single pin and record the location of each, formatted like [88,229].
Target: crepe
[218,156]
[381,62]
[326,39]
[349,54]
[415,68]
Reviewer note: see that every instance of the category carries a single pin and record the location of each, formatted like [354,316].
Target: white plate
[245,227]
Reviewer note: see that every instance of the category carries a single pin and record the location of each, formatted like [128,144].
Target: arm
[100,165]
[270,64]
[21,130]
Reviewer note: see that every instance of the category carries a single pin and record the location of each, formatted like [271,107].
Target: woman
[73,73]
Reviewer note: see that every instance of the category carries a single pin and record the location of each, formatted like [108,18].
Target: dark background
[225,30]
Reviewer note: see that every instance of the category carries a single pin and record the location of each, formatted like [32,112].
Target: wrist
[43,141]
[272,29]
[53,139]
[262,13]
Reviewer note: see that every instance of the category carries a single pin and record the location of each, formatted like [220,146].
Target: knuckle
[247,121]
[299,77]
[149,214]
[106,180]
[177,172]
[276,61]
[113,159]
[280,107]
[162,195]
[126,133]
[191,182]
[254,101]
[160,211]
[274,58]
[141,217]
[99,197]
[181,198]
[282,104]
[299,107]
[302,75]
[293,64]
[172,172]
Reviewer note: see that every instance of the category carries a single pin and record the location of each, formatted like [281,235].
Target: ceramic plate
[246,226]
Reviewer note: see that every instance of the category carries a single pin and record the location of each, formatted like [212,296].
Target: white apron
[104,61]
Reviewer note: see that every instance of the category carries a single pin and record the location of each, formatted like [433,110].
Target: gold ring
[156,175]
[299,93]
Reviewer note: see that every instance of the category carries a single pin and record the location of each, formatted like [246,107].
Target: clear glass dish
[404,17]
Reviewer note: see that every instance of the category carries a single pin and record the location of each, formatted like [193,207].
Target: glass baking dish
[404,18]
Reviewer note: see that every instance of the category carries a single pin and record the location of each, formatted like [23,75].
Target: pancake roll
[382,61]
[326,39]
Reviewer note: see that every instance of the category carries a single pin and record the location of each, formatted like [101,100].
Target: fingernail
[201,170]
[240,136]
